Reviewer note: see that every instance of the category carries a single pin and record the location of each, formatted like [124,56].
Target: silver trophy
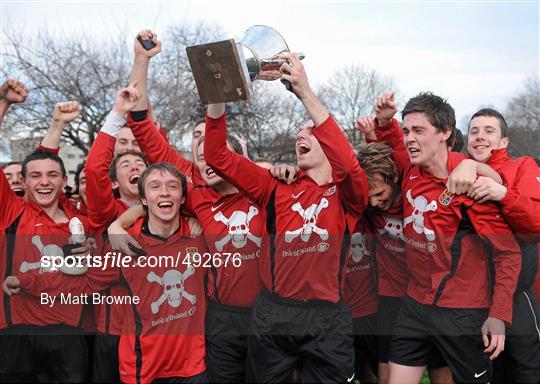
[77,239]
[224,70]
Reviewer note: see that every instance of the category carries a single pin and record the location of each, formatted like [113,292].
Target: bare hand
[462,177]
[486,189]
[195,227]
[126,99]
[293,71]
[495,328]
[11,285]
[366,125]
[284,172]
[385,108]
[75,199]
[120,239]
[66,111]
[87,248]
[13,91]
[146,34]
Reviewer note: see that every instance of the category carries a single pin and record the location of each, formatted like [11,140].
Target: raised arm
[102,208]
[385,127]
[153,144]
[139,70]
[255,182]
[11,92]
[64,113]
[346,172]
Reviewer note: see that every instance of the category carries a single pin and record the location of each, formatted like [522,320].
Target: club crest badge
[330,191]
[446,197]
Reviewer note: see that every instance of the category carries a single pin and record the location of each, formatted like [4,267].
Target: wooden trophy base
[218,69]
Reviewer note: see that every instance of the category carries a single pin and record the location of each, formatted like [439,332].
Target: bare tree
[269,122]
[68,69]
[523,118]
[350,93]
[79,68]
[172,88]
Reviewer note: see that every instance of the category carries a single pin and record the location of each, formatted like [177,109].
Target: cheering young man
[519,200]
[301,314]
[448,304]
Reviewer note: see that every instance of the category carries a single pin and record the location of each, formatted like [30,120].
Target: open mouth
[165,204]
[414,150]
[480,147]
[210,172]
[44,192]
[134,179]
[303,148]
[19,191]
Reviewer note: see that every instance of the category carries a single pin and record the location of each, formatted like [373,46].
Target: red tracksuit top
[521,205]
[521,208]
[163,335]
[306,221]
[360,292]
[231,224]
[103,208]
[387,227]
[392,270]
[152,143]
[29,233]
[446,242]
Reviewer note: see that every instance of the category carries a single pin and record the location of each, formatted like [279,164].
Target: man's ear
[446,134]
[115,185]
[504,142]
[396,178]
[65,182]
[144,202]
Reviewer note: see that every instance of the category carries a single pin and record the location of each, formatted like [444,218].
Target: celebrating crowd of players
[367,265]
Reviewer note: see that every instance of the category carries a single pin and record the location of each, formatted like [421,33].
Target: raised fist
[66,111]
[13,91]
[147,34]
[385,107]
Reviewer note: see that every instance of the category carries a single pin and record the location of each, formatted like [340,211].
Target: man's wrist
[383,123]
[115,120]
[141,58]
[4,105]
[309,97]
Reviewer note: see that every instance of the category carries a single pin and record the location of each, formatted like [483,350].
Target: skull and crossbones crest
[358,247]
[309,216]
[238,227]
[47,251]
[394,228]
[421,206]
[172,282]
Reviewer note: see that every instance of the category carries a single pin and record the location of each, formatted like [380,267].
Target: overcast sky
[473,53]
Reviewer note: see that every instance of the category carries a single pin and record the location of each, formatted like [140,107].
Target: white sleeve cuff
[113,123]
